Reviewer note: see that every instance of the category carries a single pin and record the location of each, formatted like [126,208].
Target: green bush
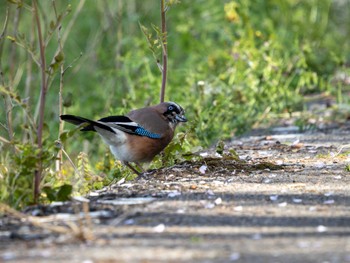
[232,64]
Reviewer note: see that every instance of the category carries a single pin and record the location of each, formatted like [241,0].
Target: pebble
[297,200]
[159,228]
[273,197]
[282,204]
[203,169]
[218,201]
[322,229]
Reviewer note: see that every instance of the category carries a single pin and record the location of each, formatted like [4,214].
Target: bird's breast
[122,152]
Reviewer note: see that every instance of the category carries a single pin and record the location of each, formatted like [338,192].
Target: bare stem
[13,53]
[7,99]
[60,99]
[2,35]
[165,51]
[28,81]
[43,90]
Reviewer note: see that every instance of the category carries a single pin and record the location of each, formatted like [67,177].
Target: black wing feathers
[111,123]
[80,120]
[115,119]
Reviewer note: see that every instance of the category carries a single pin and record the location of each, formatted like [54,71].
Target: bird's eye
[171,108]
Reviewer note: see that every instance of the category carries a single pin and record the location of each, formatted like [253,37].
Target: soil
[285,199]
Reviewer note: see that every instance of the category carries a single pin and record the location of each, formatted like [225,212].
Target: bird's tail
[89,124]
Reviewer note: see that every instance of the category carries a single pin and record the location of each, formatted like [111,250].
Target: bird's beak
[180,118]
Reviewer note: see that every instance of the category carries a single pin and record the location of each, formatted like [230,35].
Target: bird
[138,136]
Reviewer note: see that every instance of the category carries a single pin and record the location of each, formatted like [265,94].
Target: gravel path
[286,200]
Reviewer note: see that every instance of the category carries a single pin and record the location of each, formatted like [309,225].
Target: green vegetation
[231,65]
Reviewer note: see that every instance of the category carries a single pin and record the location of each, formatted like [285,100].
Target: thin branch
[2,139]
[27,89]
[43,91]
[28,49]
[4,27]
[71,64]
[7,99]
[1,52]
[165,52]
[60,99]
[13,53]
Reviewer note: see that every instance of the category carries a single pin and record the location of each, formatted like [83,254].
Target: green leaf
[64,192]
[52,25]
[50,193]
[68,100]
[59,57]
[13,39]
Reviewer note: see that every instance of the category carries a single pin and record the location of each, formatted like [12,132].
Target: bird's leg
[140,167]
[144,173]
[132,168]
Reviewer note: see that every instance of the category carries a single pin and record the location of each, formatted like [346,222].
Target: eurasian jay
[138,136]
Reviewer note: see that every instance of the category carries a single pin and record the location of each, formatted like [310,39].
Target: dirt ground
[286,200]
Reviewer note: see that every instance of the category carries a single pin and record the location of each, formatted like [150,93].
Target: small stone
[273,197]
[121,181]
[238,208]
[266,181]
[210,192]
[129,221]
[329,202]
[159,228]
[218,201]
[203,169]
[209,206]
[174,194]
[297,200]
[320,165]
[193,187]
[322,229]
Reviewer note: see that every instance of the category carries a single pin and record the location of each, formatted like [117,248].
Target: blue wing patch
[125,124]
[143,132]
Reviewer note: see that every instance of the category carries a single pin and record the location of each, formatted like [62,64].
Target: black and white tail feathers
[111,123]
[77,120]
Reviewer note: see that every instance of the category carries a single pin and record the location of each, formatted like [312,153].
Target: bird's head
[173,112]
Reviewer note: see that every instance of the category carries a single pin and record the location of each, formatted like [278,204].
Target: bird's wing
[86,124]
[111,124]
[125,124]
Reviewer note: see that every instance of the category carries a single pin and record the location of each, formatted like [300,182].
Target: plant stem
[165,53]
[27,90]
[7,99]
[60,99]
[43,90]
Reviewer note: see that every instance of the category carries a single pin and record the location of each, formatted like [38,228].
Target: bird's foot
[145,175]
